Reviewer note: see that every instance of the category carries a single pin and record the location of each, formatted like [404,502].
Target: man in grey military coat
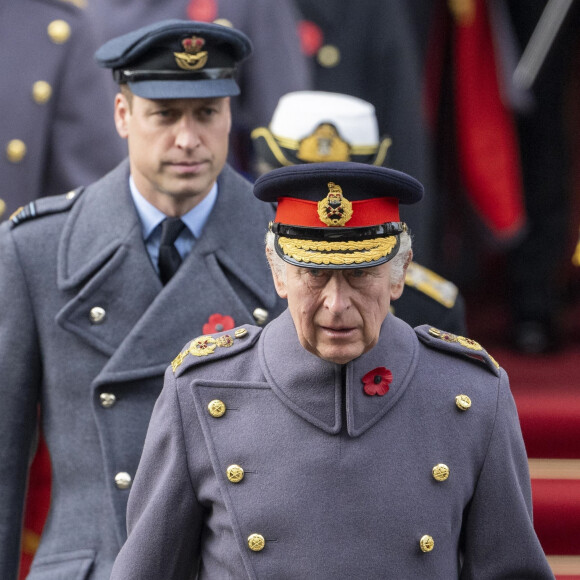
[337,442]
[100,287]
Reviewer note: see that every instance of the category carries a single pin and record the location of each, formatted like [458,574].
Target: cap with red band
[337,215]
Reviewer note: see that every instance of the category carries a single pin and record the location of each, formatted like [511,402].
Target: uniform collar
[195,219]
[312,387]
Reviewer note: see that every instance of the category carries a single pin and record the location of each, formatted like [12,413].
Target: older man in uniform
[317,126]
[98,288]
[337,442]
[56,130]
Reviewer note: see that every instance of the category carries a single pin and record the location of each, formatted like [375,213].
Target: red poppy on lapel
[377,381]
[218,323]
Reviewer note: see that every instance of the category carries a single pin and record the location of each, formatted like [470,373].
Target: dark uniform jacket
[86,332]
[336,483]
[56,127]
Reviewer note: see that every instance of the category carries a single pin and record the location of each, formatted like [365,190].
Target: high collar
[311,386]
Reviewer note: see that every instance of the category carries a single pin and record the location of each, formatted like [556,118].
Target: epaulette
[45,206]
[446,341]
[82,4]
[215,346]
[431,284]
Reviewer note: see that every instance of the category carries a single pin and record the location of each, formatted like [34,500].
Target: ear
[398,286]
[279,282]
[122,115]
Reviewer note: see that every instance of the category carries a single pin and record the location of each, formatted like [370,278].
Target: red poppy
[377,381]
[311,37]
[218,323]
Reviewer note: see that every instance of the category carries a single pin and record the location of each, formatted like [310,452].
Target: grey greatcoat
[56,128]
[96,377]
[337,483]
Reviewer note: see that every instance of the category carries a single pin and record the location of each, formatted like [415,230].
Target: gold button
[16,150]
[256,542]
[441,472]
[58,31]
[216,408]
[463,402]
[71,194]
[435,332]
[123,480]
[240,332]
[41,92]
[328,56]
[107,400]
[426,543]
[2,207]
[97,314]
[235,473]
[260,316]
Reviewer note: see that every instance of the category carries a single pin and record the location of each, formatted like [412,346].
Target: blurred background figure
[56,133]
[276,66]
[319,126]
[369,50]
[503,159]
[56,130]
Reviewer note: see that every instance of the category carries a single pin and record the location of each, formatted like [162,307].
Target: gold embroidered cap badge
[334,210]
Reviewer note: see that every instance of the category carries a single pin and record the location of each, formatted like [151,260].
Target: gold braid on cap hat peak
[313,252]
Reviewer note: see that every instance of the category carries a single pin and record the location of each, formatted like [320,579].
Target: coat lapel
[101,257]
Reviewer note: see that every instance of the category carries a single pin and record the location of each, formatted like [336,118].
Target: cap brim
[200,89]
[337,255]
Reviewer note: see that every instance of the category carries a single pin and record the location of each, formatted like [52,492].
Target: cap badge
[193,58]
[334,209]
[324,144]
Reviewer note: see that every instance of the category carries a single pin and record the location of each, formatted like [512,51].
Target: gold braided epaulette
[431,284]
[457,344]
[214,346]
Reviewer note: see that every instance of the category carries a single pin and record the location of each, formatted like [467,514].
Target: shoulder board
[82,4]
[431,284]
[215,347]
[460,345]
[45,206]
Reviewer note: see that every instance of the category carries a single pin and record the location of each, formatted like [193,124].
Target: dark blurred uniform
[276,67]
[318,126]
[56,127]
[368,49]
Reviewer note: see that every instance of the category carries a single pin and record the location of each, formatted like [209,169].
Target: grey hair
[397,263]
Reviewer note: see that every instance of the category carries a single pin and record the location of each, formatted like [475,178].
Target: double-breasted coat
[265,461]
[86,332]
[56,127]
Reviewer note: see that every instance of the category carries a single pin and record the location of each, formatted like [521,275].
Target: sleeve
[84,144]
[20,375]
[164,518]
[499,540]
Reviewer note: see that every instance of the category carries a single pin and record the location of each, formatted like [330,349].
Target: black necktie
[169,258]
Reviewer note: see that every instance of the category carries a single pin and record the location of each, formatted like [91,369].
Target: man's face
[177,147]
[338,313]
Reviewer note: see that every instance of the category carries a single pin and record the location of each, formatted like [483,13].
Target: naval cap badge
[334,209]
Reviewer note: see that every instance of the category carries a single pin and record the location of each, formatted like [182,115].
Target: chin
[339,358]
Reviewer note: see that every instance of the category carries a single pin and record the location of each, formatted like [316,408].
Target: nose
[336,294]
[187,134]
